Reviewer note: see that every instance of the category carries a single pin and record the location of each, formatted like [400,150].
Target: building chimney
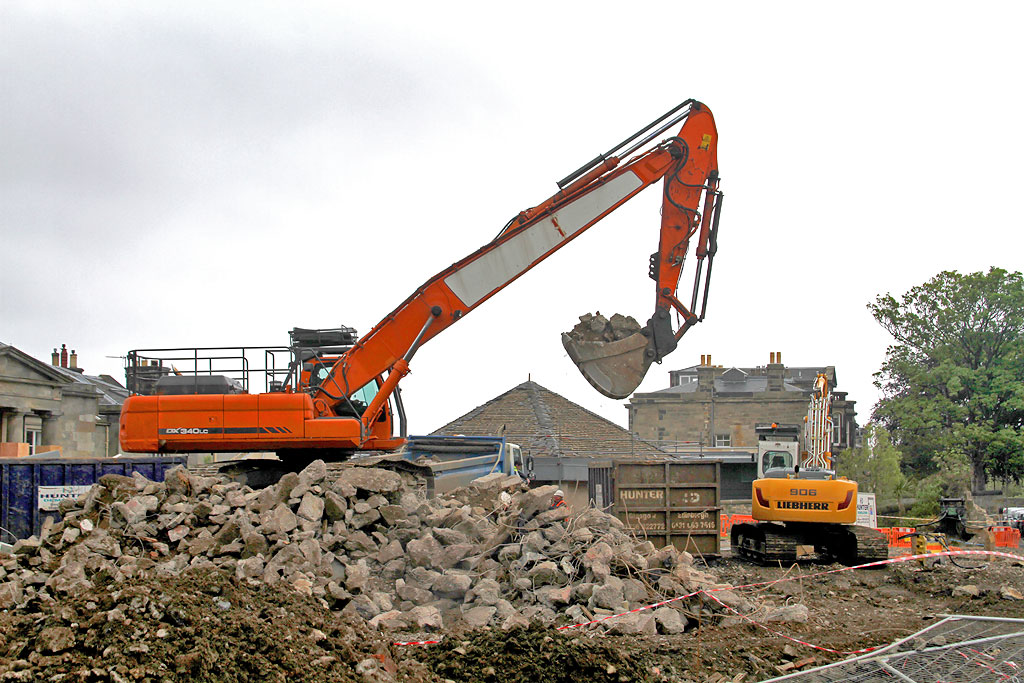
[705,374]
[55,358]
[73,360]
[63,355]
[776,372]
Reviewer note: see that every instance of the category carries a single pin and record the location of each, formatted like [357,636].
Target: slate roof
[724,387]
[544,423]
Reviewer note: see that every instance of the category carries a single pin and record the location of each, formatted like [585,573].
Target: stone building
[712,406]
[46,406]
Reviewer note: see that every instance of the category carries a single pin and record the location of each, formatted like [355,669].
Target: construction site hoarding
[667,502]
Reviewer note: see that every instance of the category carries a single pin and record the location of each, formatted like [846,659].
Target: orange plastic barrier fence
[1005,536]
[728,521]
[894,533]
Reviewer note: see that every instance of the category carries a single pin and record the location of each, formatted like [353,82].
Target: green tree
[875,465]
[954,380]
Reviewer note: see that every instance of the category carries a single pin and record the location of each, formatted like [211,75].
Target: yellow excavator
[799,505]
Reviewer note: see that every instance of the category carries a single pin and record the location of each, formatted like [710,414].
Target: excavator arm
[688,164]
[343,413]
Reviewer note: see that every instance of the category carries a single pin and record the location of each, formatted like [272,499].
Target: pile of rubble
[363,543]
[597,328]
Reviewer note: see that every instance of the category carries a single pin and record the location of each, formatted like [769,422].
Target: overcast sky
[201,174]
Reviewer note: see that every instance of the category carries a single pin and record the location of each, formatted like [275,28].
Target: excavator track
[770,543]
[872,545]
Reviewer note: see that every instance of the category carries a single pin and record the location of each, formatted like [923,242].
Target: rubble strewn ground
[197,578]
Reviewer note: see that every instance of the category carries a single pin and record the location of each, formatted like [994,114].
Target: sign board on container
[866,510]
[49,497]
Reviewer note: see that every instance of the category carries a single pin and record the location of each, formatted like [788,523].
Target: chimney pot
[55,358]
[63,355]
[73,360]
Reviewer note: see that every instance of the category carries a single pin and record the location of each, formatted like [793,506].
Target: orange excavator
[342,402]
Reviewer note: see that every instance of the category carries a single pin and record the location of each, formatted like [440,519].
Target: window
[776,460]
[837,430]
[723,440]
[33,433]
[33,437]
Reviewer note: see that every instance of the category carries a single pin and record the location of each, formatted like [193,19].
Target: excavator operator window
[776,460]
[360,399]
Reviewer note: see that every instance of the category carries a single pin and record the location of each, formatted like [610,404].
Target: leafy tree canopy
[954,379]
[874,465]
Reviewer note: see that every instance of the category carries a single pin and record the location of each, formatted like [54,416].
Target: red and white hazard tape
[710,591]
[791,638]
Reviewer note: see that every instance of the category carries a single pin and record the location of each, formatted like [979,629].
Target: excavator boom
[329,416]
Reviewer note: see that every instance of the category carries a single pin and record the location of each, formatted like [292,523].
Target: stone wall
[699,417]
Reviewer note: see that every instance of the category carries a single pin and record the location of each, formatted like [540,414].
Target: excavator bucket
[615,368]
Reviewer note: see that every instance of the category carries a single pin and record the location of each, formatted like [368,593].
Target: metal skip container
[31,490]
[667,502]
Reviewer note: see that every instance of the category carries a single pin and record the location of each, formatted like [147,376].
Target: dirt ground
[847,611]
[210,627]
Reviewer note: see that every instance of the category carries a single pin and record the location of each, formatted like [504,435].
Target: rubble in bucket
[594,327]
[359,541]
[613,355]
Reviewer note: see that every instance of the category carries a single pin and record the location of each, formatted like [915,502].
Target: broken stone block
[413,594]
[637,623]
[453,554]
[554,595]
[334,506]
[967,590]
[313,474]
[370,479]
[608,597]
[1010,593]
[280,520]
[546,572]
[12,592]
[361,606]
[449,536]
[515,620]
[356,575]
[312,506]
[452,586]
[669,620]
[426,617]
[361,521]
[250,568]
[55,639]
[392,620]
[423,551]
[634,590]
[390,552]
[479,616]
[392,514]
[486,592]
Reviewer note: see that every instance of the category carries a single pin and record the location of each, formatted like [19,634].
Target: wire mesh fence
[956,649]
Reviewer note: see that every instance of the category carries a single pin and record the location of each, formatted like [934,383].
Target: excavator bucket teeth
[615,368]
